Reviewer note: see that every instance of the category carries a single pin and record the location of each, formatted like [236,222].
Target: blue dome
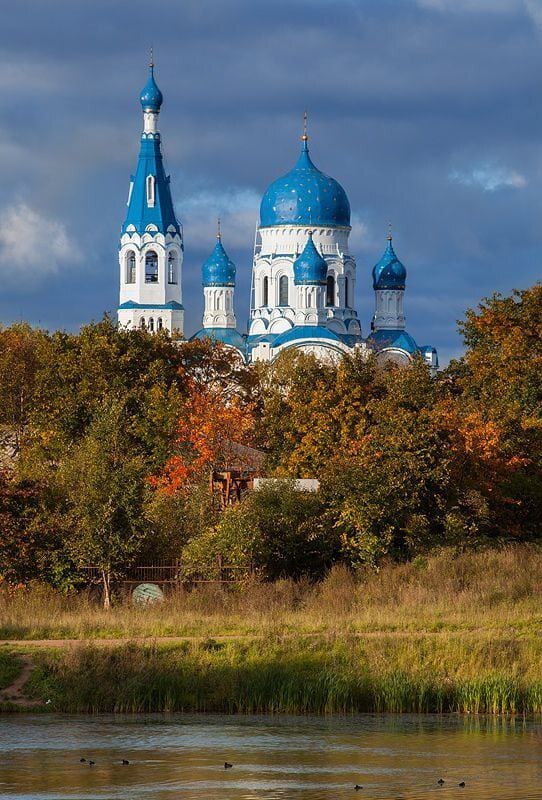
[310,267]
[151,97]
[305,196]
[218,270]
[389,273]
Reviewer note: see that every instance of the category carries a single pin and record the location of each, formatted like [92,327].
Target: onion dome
[305,196]
[310,267]
[389,273]
[218,270]
[151,97]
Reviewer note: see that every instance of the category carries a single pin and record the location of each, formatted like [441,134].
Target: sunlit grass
[315,675]
[446,593]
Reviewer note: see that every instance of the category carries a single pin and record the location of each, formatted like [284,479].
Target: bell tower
[151,242]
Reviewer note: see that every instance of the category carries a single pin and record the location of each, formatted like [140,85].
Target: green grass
[9,669]
[324,675]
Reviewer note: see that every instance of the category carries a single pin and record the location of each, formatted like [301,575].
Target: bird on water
[227,765]
[357,787]
[125,761]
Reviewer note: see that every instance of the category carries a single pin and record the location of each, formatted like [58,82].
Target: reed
[322,675]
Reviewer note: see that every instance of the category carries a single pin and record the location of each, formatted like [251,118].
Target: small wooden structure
[232,479]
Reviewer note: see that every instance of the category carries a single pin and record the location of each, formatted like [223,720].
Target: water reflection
[274,757]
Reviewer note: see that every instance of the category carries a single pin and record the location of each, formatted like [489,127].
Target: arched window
[130,267]
[151,183]
[142,323]
[172,267]
[283,290]
[347,291]
[151,325]
[330,291]
[151,267]
[265,291]
[160,324]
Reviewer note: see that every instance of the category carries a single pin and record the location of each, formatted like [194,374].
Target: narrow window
[172,268]
[151,324]
[150,190]
[330,291]
[283,290]
[151,267]
[142,323]
[160,324]
[130,267]
[265,291]
[346,291]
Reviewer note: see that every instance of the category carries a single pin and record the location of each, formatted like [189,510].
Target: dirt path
[26,644]
[14,693]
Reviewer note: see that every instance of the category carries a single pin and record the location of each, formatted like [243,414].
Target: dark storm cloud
[428,113]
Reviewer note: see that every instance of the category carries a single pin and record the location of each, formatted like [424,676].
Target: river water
[275,758]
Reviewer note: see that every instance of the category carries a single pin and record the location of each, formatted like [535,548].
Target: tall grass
[315,675]
[498,590]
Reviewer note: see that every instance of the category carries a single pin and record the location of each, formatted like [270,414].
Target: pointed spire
[218,234]
[151,58]
[390,237]
[305,135]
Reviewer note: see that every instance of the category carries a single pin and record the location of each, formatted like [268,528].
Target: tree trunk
[106,582]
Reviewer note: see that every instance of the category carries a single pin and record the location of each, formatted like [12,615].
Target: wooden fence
[170,574]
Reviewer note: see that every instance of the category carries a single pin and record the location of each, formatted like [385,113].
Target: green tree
[104,485]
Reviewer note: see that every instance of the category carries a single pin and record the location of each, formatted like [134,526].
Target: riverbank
[444,634]
[471,674]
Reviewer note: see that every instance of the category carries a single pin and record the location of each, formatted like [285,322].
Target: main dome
[305,196]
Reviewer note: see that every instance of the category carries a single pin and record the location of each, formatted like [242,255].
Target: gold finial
[151,58]
[389,232]
[218,234]
[305,136]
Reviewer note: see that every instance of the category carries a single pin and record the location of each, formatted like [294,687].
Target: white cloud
[489,178]
[32,245]
[533,8]
[238,211]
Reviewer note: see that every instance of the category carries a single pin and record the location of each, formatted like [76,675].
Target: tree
[277,531]
[104,487]
[209,430]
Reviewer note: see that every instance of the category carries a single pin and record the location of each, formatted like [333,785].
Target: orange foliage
[207,435]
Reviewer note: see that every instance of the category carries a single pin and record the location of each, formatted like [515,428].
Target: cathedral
[303,274]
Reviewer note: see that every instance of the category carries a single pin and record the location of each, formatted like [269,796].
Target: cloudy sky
[429,112]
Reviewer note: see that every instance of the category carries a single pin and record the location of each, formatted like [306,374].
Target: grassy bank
[480,675]
[498,591]
[451,633]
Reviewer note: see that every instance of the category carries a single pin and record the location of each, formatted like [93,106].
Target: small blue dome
[305,196]
[151,97]
[389,273]
[218,270]
[310,267]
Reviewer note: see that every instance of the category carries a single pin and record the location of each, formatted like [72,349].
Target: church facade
[303,274]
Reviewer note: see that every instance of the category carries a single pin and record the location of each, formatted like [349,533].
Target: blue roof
[303,332]
[389,273]
[228,336]
[218,270]
[310,267]
[151,97]
[305,196]
[161,213]
[173,305]
[140,214]
[387,337]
